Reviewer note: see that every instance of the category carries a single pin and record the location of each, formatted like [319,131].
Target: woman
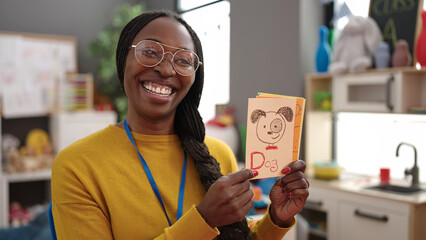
[134,180]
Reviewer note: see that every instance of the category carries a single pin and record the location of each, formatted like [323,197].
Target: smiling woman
[156,175]
[148,107]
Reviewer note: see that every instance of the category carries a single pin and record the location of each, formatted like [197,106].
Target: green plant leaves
[103,49]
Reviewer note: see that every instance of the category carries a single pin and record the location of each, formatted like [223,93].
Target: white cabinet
[369,92]
[395,90]
[359,214]
[318,209]
[362,220]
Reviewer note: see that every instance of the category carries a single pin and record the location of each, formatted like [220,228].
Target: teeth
[161,90]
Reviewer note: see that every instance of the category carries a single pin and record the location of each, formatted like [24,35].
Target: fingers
[295,179]
[301,183]
[234,184]
[240,176]
[241,188]
[228,200]
[298,165]
[244,202]
[304,193]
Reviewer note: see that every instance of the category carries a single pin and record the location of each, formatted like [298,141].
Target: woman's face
[154,92]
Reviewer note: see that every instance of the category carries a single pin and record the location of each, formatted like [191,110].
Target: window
[212,25]
[187,5]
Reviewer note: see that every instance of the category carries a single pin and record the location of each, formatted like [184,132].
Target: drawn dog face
[271,125]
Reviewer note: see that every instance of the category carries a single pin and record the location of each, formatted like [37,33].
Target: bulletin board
[31,65]
[20,48]
[398,20]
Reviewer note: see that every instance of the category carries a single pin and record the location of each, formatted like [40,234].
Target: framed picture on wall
[38,51]
[30,67]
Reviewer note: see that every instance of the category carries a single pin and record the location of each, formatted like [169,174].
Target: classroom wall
[264,51]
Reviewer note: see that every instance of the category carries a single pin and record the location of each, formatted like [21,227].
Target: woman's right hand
[228,200]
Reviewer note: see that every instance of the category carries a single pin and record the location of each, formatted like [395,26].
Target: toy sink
[395,189]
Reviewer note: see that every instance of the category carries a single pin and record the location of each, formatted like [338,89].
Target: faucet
[414,172]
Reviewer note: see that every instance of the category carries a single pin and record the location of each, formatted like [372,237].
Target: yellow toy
[37,139]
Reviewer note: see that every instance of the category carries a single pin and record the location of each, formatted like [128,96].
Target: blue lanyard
[152,181]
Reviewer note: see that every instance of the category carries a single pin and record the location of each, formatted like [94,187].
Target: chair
[51,223]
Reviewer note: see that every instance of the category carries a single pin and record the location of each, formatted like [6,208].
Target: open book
[274,130]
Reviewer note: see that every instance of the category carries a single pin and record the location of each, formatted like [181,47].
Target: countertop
[357,183]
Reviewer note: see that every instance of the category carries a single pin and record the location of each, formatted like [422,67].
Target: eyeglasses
[151,53]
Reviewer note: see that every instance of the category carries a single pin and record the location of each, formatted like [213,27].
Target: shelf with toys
[27,155]
[29,146]
[45,105]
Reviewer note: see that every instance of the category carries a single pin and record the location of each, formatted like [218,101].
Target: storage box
[68,127]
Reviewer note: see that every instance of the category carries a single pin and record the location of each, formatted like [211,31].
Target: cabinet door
[369,92]
[318,199]
[358,221]
[319,211]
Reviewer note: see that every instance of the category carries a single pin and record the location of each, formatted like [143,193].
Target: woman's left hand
[289,194]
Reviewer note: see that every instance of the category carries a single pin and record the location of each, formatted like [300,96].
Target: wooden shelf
[40,175]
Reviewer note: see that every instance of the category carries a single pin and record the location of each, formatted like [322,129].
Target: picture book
[274,130]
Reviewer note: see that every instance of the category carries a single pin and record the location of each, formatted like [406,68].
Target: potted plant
[103,48]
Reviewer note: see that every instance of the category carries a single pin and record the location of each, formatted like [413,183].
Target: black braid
[188,122]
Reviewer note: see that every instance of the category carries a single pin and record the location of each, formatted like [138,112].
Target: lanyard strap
[152,181]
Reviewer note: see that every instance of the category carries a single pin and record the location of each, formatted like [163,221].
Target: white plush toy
[355,46]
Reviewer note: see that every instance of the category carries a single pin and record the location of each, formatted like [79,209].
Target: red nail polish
[255,173]
[286,170]
[289,194]
[280,184]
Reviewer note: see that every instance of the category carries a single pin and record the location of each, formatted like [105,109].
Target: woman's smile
[157,89]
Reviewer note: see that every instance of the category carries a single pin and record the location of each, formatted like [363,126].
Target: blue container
[323,54]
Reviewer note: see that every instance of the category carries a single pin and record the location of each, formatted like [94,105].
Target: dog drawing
[271,125]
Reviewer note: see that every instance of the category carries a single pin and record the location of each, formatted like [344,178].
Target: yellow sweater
[100,189]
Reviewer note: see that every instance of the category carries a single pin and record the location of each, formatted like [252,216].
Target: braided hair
[188,122]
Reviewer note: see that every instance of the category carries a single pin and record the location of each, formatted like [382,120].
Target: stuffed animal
[19,216]
[355,47]
[37,229]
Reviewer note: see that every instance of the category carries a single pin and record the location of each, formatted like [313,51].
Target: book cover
[274,130]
